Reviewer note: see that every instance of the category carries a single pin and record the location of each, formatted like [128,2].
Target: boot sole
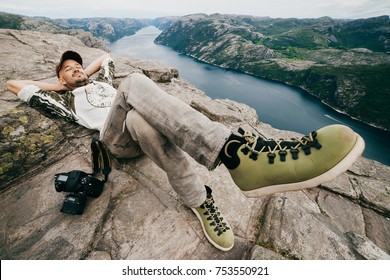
[339,168]
[207,236]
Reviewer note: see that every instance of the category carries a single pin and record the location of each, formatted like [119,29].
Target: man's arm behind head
[94,66]
[15,86]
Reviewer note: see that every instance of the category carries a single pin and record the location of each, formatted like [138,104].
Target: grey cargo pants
[145,119]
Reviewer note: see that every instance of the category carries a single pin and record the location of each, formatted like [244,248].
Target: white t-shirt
[87,105]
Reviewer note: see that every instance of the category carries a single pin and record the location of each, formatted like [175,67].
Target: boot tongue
[208,191]
[228,154]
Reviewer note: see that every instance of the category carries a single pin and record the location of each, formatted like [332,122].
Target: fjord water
[283,107]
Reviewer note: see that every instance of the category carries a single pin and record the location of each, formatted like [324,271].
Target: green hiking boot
[214,225]
[265,166]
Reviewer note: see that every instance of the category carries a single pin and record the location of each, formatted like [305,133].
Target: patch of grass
[295,38]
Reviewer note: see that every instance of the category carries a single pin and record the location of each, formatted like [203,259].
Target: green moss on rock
[27,140]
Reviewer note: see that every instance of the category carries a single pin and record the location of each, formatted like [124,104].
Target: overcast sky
[156,8]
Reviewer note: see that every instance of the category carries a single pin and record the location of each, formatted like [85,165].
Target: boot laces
[257,145]
[214,216]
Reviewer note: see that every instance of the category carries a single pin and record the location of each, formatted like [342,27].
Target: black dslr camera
[80,185]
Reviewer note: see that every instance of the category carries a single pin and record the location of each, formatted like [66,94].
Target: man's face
[72,74]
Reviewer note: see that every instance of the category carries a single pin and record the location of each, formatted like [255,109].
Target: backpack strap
[100,159]
[95,156]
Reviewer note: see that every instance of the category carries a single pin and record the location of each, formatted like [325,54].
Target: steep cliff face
[371,33]
[344,63]
[139,216]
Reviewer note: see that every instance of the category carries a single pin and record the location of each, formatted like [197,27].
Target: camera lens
[60,182]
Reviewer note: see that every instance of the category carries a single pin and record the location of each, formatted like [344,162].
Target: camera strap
[101,162]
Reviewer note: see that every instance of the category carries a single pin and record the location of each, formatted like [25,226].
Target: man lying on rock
[140,117]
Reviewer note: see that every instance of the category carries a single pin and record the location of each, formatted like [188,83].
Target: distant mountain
[111,29]
[345,63]
[19,22]
[105,29]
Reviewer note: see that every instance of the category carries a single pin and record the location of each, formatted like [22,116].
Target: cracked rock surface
[138,215]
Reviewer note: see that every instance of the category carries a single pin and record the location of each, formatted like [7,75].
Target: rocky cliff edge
[138,216]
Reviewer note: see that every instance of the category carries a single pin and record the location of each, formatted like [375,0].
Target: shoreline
[290,85]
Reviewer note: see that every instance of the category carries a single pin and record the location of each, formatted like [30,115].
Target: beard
[81,82]
[78,81]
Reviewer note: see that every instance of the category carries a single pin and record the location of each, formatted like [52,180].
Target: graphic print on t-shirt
[99,94]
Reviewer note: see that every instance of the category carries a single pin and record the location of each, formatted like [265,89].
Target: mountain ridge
[315,55]
[107,29]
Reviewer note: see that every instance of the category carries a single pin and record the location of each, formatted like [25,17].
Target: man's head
[70,71]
